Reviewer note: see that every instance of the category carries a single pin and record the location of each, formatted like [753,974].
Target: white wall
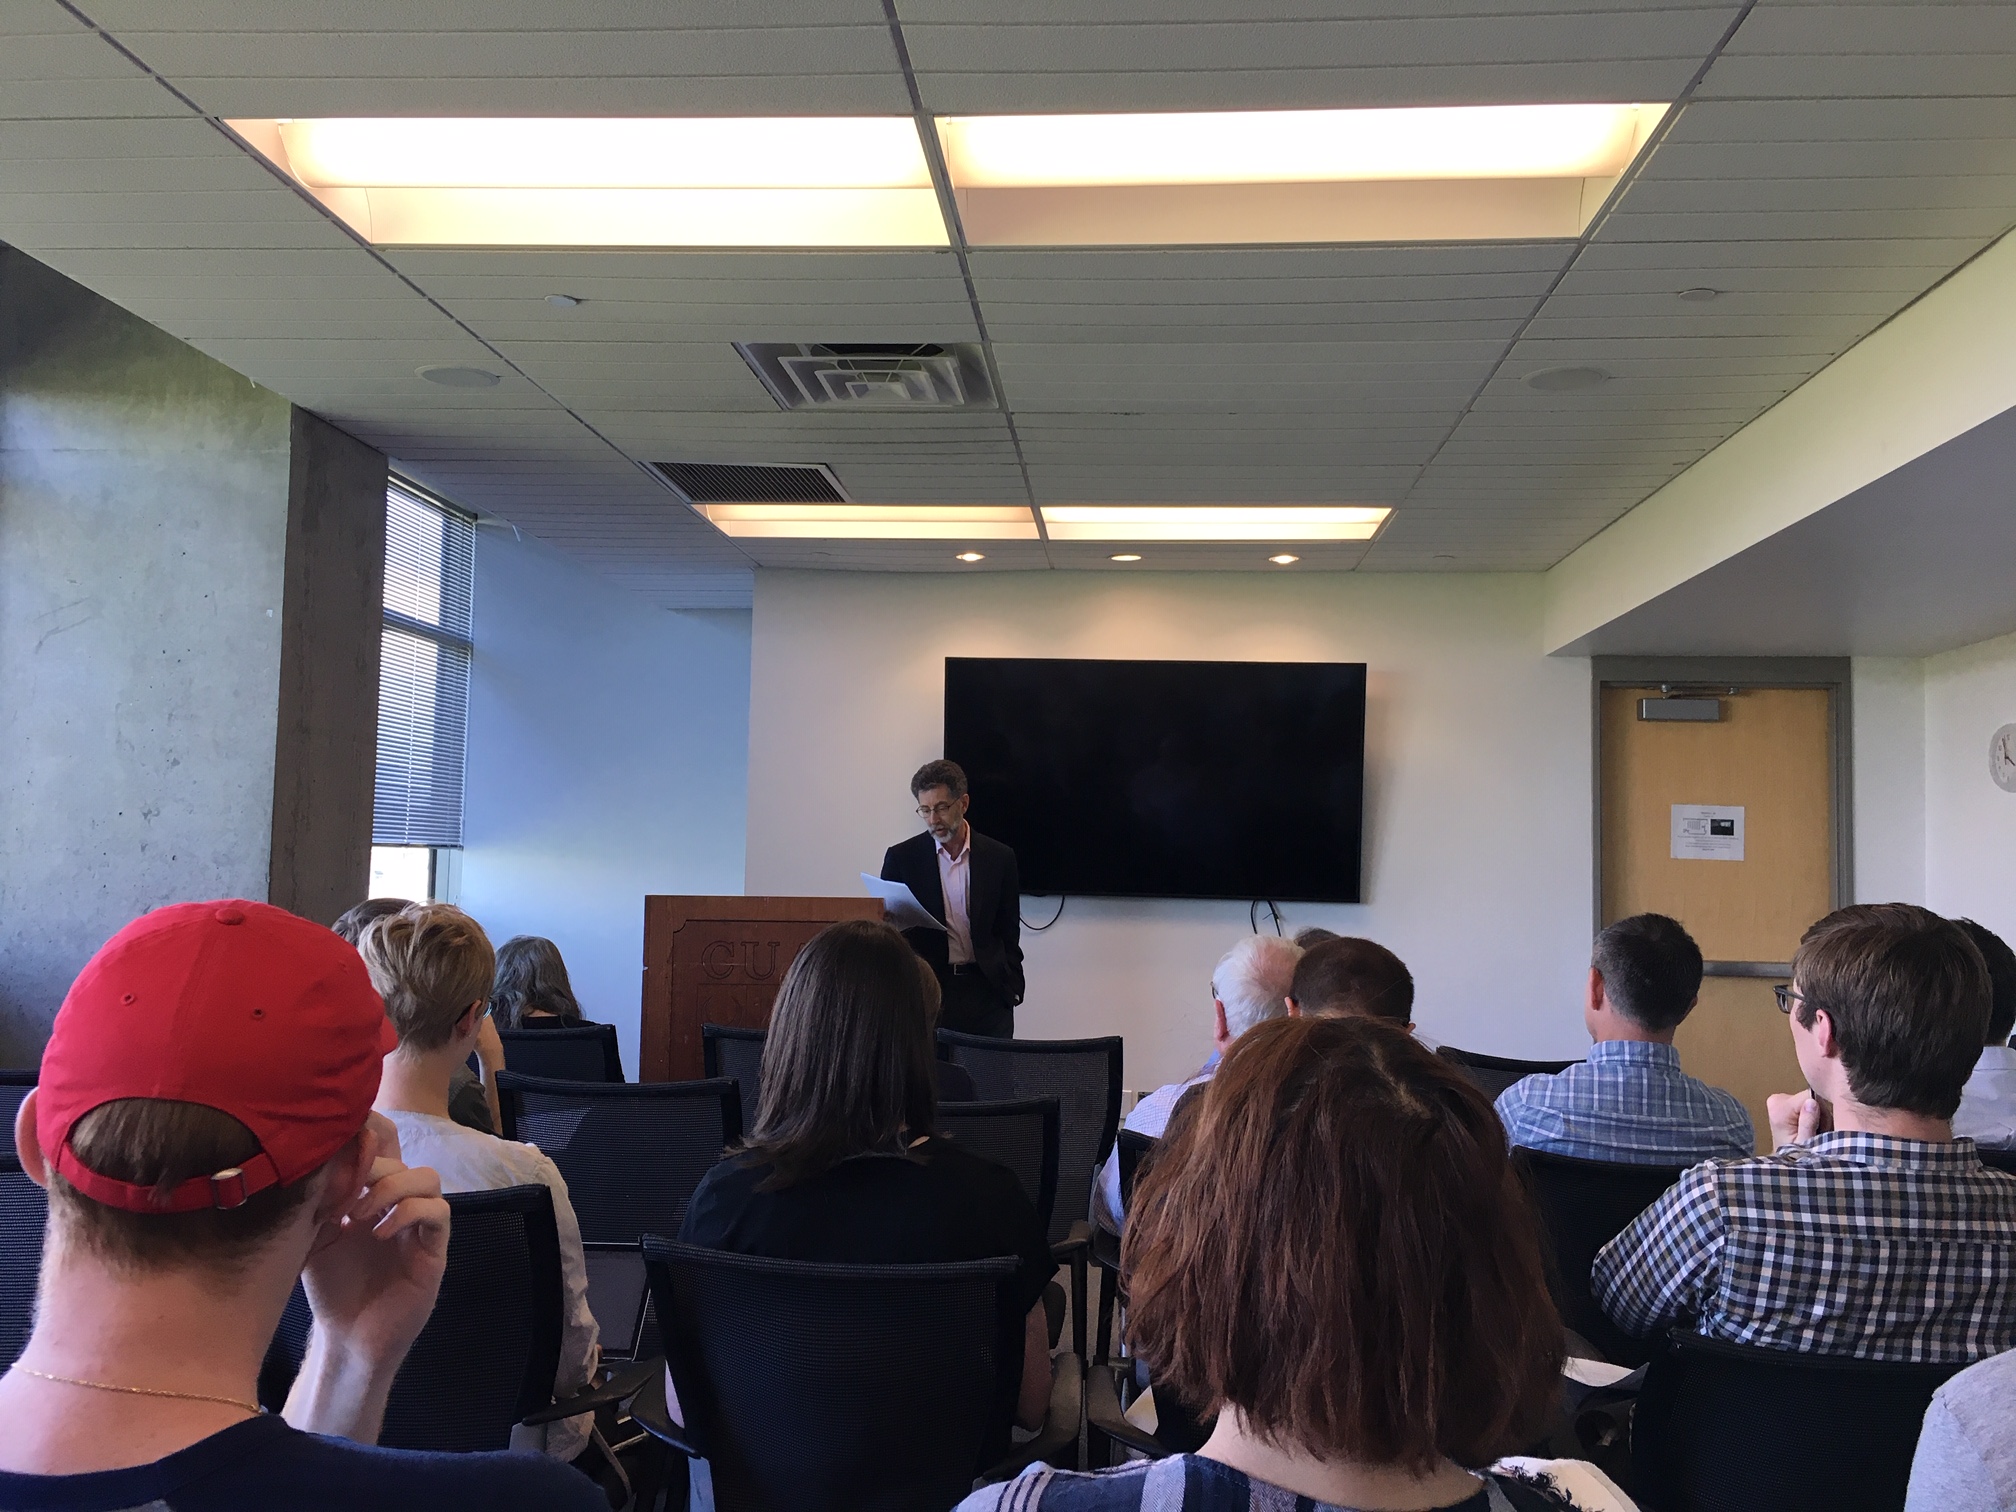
[1970,824]
[608,746]
[1478,829]
[1939,369]
[1887,703]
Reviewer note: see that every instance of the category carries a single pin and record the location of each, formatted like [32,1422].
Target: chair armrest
[649,1412]
[621,1386]
[1072,1247]
[1102,1411]
[1106,1250]
[1059,1432]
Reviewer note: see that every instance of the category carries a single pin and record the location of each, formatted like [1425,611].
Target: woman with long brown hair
[1333,1255]
[532,990]
[842,1165]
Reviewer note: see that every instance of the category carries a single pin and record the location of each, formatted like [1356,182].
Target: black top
[939,1203]
[262,1463]
[993,905]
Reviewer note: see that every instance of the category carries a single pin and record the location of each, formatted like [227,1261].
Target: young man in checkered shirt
[1871,1232]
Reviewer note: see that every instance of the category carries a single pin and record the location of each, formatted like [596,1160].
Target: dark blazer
[994,899]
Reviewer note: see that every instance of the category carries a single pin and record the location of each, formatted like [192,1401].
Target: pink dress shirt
[955,876]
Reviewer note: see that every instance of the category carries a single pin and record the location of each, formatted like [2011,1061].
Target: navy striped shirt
[1191,1483]
[1628,1102]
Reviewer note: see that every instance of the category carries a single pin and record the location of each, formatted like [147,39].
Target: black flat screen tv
[1167,779]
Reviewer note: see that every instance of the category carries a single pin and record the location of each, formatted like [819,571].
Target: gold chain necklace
[151,1391]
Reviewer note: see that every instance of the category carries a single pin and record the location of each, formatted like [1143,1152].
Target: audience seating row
[1050,1115]
[577,1052]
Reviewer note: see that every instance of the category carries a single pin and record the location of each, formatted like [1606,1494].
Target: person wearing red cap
[203,1126]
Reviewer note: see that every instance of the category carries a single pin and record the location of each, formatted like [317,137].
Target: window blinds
[423,676]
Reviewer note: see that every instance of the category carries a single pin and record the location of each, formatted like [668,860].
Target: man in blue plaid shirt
[1871,1232]
[1630,1101]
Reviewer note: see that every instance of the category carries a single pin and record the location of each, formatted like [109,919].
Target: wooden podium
[719,961]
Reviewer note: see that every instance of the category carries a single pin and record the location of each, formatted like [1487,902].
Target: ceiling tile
[1840,160]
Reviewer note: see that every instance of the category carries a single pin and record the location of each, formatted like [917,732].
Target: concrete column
[327,731]
[189,580]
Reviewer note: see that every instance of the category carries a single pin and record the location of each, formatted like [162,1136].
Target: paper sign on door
[1707,832]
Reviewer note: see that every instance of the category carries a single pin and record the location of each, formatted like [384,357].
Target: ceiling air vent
[871,375]
[752,482]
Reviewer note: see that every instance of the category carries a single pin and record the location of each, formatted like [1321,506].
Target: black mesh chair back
[738,1055]
[14,1086]
[1998,1160]
[1730,1428]
[583,1052]
[1083,1075]
[1020,1135]
[632,1152]
[1494,1073]
[836,1388]
[487,1356]
[616,1295]
[1584,1204]
[1134,1148]
[24,1213]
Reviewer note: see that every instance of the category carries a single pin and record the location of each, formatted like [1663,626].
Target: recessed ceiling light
[562,301]
[1213,522]
[972,556]
[1429,174]
[1284,559]
[614,181]
[1441,173]
[1698,296]
[448,375]
[876,522]
[1124,556]
[1564,380]
[1293,146]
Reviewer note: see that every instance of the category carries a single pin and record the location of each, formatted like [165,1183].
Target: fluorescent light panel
[876,522]
[1213,522]
[860,152]
[1294,146]
[1443,173]
[601,182]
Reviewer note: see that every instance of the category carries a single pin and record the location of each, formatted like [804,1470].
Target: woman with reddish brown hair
[1336,1257]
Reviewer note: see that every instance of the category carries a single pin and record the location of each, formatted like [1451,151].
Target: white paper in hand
[900,907]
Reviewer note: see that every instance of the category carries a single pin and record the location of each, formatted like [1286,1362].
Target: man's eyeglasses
[1786,996]
[938,810]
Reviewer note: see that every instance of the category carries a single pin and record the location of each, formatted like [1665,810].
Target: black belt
[965,968]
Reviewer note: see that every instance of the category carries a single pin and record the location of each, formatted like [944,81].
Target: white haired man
[1249,985]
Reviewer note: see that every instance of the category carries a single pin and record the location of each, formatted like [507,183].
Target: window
[423,691]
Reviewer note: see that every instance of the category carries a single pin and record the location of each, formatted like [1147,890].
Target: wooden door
[1771,756]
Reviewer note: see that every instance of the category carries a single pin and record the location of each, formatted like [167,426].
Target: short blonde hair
[429,962]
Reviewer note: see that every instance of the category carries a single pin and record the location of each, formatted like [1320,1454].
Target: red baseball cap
[238,1006]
